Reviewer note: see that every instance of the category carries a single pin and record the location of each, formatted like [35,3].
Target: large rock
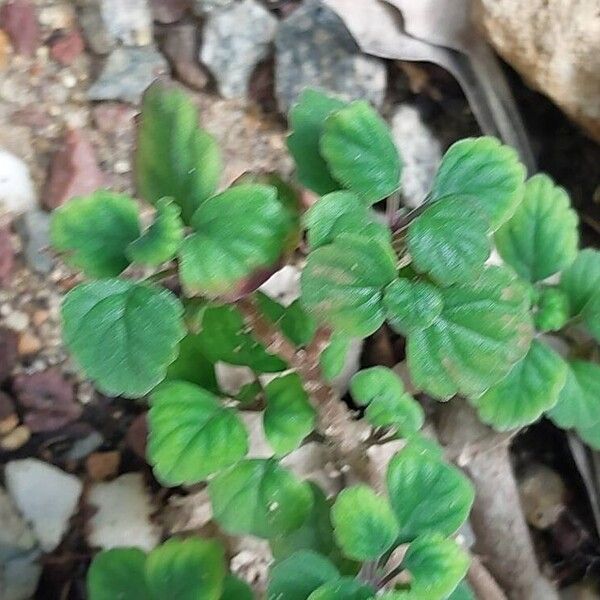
[314,49]
[19,21]
[127,73]
[46,496]
[555,45]
[235,40]
[108,23]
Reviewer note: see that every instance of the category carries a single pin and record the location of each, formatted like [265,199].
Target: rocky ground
[71,78]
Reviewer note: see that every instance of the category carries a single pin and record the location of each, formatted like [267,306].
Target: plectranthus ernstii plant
[474,327]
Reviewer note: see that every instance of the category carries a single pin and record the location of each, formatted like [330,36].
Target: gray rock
[46,496]
[314,49]
[109,23]
[34,228]
[235,40]
[202,8]
[19,576]
[16,537]
[420,151]
[17,192]
[127,73]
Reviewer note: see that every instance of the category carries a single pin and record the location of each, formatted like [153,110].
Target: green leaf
[316,533]
[541,238]
[579,401]
[94,232]
[411,305]
[363,523]
[259,497]
[388,402]
[437,566]
[427,494]
[289,416]
[462,592]
[483,331]
[590,435]
[174,156]
[192,365]
[552,309]
[307,120]
[160,242]
[236,589]
[191,569]
[581,280]
[361,153]
[123,334]
[487,171]
[295,323]
[342,283]
[531,388]
[333,358]
[298,576]
[450,241]
[224,336]
[191,435]
[345,588]
[236,233]
[341,212]
[118,573]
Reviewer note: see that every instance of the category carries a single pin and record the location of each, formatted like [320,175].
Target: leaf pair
[191,569]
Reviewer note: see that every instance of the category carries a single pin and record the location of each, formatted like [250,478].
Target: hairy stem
[503,539]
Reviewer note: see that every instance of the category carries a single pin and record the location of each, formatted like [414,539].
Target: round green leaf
[174,156]
[552,309]
[307,121]
[341,212]
[485,170]
[437,566]
[363,523]
[236,233]
[450,241]
[581,280]
[333,358]
[298,576]
[342,283]
[427,494]
[345,588]
[94,232]
[484,329]
[191,435]
[224,336]
[162,239]
[411,305]
[295,323]
[236,589]
[388,402]
[531,388]
[590,435]
[123,334]
[579,401]
[118,573]
[259,497]
[541,238]
[192,365]
[289,416]
[191,569]
[361,153]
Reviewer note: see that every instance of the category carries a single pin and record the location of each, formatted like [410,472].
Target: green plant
[469,329]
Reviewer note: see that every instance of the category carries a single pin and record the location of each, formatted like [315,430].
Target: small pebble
[17,321]
[122,167]
[39,317]
[18,437]
[103,465]
[29,344]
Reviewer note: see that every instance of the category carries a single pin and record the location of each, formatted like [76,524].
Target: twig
[482,583]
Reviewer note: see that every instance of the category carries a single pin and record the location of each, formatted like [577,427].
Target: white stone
[420,151]
[283,286]
[123,514]
[46,496]
[231,378]
[314,461]
[258,446]
[17,192]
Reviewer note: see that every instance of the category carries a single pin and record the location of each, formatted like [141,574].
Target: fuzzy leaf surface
[118,573]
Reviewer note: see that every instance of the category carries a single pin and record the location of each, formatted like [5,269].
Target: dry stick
[500,529]
[335,420]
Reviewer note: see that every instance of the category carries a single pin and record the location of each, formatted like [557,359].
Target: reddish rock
[5,49]
[137,435]
[180,46]
[169,11]
[19,21]
[112,117]
[103,465]
[48,399]
[9,340]
[7,256]
[8,414]
[74,170]
[67,47]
